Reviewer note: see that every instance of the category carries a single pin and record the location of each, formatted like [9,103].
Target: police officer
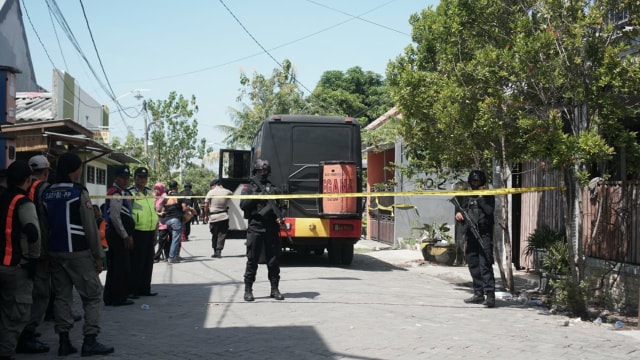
[76,256]
[120,230]
[262,231]
[19,251]
[28,342]
[144,237]
[479,258]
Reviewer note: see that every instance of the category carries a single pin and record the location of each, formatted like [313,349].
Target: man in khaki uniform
[19,252]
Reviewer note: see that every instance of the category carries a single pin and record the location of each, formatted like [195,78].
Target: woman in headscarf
[164,237]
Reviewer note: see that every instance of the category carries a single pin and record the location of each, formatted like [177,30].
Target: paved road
[374,309]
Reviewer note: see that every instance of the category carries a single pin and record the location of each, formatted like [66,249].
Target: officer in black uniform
[262,231]
[479,259]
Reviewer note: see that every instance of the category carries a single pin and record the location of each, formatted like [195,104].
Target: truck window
[326,143]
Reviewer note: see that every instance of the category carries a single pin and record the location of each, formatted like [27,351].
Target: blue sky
[199,48]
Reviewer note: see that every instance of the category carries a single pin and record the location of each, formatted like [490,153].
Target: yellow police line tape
[506,191]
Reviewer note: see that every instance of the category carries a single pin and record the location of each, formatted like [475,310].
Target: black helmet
[261,165]
[173,184]
[477,175]
[187,185]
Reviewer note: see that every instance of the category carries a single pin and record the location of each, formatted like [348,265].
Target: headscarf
[159,197]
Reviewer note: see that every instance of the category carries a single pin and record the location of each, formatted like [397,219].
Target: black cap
[18,172]
[141,171]
[123,170]
[173,184]
[214,182]
[67,163]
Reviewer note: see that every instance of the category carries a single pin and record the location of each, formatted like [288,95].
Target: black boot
[491,300]
[217,253]
[475,299]
[275,293]
[248,292]
[29,344]
[91,346]
[65,345]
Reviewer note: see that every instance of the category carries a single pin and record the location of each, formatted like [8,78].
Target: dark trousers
[117,285]
[164,244]
[480,265]
[186,229]
[142,261]
[269,241]
[218,231]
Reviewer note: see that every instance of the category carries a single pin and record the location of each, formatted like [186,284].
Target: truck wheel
[334,251]
[347,254]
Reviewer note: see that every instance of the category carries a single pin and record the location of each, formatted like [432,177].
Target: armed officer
[264,221]
[479,258]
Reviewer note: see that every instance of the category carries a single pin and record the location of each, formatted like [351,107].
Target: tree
[278,94]
[510,81]
[354,93]
[174,134]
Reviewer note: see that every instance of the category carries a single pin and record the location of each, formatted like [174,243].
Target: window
[101,176]
[91,174]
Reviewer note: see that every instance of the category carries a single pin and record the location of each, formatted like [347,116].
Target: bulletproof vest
[66,233]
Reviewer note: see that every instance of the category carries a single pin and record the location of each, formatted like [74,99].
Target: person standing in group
[172,208]
[120,230]
[146,230]
[479,250]
[192,203]
[218,216]
[28,342]
[19,253]
[262,231]
[164,238]
[76,256]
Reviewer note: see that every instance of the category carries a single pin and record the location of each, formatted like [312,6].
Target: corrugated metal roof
[34,106]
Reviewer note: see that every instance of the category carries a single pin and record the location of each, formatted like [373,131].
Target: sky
[200,47]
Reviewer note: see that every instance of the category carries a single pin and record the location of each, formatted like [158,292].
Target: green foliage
[569,296]
[174,136]
[542,238]
[435,232]
[200,177]
[261,97]
[354,93]
[556,259]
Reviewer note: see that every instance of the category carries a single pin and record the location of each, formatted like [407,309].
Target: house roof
[392,113]
[34,106]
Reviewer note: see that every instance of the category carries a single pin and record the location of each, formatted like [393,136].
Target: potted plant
[436,244]
[539,242]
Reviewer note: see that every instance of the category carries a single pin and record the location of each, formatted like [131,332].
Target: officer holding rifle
[476,212]
[264,221]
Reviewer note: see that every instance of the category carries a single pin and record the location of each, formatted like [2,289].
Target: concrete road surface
[384,306]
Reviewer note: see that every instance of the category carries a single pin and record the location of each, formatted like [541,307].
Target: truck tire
[334,250]
[347,253]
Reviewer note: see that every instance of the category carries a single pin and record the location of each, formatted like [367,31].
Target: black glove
[31,266]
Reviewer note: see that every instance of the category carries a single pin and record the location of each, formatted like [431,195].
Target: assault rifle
[469,223]
[276,210]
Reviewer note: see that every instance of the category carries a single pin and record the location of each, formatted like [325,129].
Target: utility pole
[146,129]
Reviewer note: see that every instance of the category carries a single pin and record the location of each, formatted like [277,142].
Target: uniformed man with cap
[76,256]
[28,342]
[120,229]
[19,251]
[144,237]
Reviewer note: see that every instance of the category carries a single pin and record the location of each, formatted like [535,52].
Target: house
[39,122]
[390,218]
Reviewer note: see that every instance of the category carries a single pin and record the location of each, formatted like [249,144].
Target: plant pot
[440,254]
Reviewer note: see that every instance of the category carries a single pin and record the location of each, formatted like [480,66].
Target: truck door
[234,169]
